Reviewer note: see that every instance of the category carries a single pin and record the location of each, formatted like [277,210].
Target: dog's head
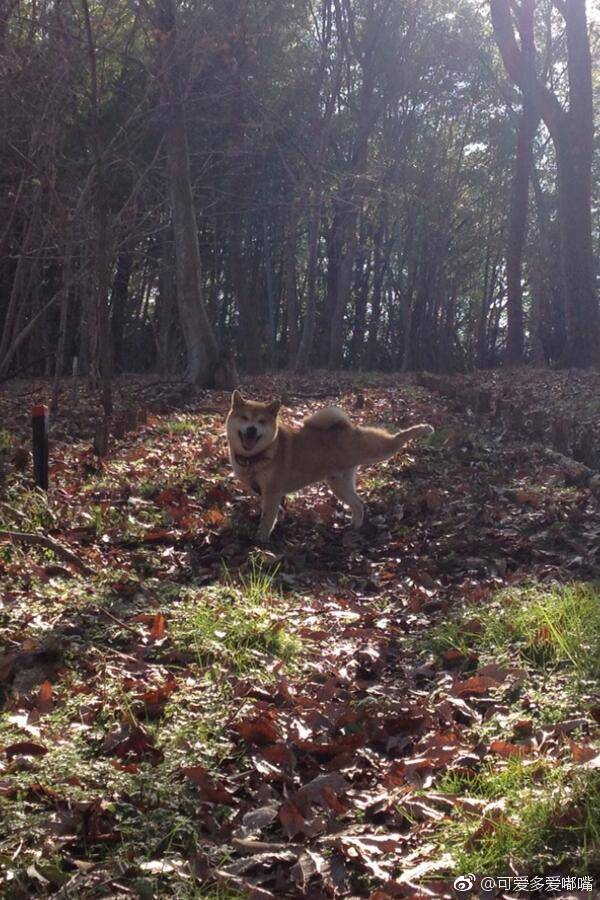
[251,426]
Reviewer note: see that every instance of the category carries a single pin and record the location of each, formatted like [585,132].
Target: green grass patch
[494,783]
[25,508]
[6,442]
[154,812]
[536,818]
[180,425]
[241,626]
[529,816]
[555,627]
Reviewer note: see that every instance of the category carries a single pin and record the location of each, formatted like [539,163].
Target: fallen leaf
[157,631]
[292,820]
[259,731]
[583,753]
[159,536]
[132,742]
[477,684]
[214,517]
[44,703]
[25,748]
[211,790]
[508,750]
[157,696]
[257,819]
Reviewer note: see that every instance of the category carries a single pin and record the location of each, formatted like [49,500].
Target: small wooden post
[484,403]
[478,401]
[39,426]
[517,420]
[538,419]
[512,418]
[131,418]
[74,373]
[101,437]
[119,426]
[562,435]
[584,450]
[469,398]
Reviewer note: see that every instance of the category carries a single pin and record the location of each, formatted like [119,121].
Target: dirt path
[337,716]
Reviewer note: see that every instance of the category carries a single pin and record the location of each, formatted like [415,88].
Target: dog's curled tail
[415,431]
[330,417]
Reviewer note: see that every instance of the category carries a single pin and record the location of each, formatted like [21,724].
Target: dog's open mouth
[249,441]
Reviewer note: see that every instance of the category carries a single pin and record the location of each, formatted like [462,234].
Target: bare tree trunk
[350,207]
[572,132]
[380,264]
[7,8]
[362,283]
[310,313]
[250,323]
[574,151]
[548,311]
[535,327]
[517,220]
[321,116]
[61,344]
[482,321]
[10,324]
[366,53]
[118,306]
[102,288]
[343,283]
[404,356]
[271,314]
[200,341]
[166,312]
[290,286]
[102,249]
[574,190]
[517,230]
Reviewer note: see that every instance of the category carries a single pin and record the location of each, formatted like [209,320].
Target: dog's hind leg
[344,488]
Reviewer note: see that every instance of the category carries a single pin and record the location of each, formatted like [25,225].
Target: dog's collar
[247,461]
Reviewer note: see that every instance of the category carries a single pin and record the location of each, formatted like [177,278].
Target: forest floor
[344,714]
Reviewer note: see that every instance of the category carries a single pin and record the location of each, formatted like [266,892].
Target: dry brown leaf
[44,702]
[508,750]
[292,820]
[211,789]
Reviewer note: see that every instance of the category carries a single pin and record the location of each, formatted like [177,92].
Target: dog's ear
[274,407]
[237,400]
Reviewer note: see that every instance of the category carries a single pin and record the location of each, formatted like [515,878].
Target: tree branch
[40,540]
[518,71]
[561,6]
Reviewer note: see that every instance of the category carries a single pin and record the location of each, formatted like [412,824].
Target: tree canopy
[324,184]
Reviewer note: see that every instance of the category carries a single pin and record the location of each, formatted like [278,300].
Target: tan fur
[326,448]
[330,417]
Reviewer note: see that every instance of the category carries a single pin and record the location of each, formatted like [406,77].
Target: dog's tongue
[248,442]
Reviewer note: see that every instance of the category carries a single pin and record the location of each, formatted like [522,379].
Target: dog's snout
[251,431]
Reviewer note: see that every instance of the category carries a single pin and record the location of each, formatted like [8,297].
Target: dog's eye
[262,421]
[245,418]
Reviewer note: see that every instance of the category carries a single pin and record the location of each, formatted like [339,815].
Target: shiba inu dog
[273,459]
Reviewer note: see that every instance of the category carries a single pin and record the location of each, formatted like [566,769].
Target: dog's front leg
[268,516]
